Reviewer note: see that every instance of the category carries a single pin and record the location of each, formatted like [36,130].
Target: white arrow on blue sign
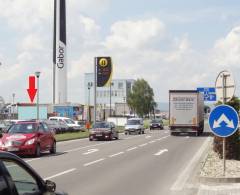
[223,120]
[209,93]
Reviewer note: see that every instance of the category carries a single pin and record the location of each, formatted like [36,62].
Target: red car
[28,138]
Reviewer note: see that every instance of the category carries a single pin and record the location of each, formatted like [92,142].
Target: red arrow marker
[31,89]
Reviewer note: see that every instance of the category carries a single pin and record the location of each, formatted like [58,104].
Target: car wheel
[111,137]
[38,151]
[117,137]
[125,133]
[53,149]
[90,139]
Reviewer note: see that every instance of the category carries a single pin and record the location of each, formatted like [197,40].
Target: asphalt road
[151,164]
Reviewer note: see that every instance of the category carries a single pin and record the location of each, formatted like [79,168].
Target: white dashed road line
[59,174]
[91,151]
[161,152]
[143,145]
[32,160]
[151,141]
[130,149]
[117,154]
[93,162]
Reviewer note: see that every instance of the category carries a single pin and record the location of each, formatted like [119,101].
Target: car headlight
[30,142]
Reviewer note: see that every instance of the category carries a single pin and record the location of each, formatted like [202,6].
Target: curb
[219,179]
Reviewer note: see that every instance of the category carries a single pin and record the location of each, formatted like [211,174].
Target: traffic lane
[139,171]
[69,145]
[52,164]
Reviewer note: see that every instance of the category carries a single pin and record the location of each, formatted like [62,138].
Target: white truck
[186,111]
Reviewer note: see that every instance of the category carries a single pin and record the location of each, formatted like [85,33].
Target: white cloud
[134,34]
[226,51]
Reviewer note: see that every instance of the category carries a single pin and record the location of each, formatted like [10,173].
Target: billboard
[30,112]
[59,53]
[104,71]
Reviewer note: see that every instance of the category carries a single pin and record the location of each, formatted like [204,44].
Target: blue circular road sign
[223,121]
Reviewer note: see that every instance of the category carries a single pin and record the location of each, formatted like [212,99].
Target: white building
[120,89]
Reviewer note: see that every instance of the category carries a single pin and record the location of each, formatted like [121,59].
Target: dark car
[57,126]
[28,138]
[18,178]
[103,131]
[156,124]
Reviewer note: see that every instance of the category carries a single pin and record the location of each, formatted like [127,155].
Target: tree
[141,98]
[232,142]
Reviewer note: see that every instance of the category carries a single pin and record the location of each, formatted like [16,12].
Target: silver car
[134,125]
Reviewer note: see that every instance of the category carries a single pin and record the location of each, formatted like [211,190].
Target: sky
[171,44]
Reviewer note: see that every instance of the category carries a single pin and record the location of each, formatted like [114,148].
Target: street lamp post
[37,74]
[111,84]
[13,106]
[90,84]
[124,100]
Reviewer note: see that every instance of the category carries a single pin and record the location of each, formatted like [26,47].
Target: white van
[69,122]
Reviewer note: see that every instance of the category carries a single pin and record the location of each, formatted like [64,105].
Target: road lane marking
[163,138]
[130,149]
[143,145]
[90,151]
[32,160]
[184,175]
[93,162]
[117,154]
[151,141]
[59,174]
[187,137]
[89,146]
[147,137]
[161,152]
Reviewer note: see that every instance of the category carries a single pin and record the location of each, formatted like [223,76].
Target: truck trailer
[186,112]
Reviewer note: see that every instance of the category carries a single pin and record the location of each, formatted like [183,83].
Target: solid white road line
[117,154]
[91,151]
[184,175]
[166,131]
[59,174]
[93,162]
[161,152]
[130,149]
[143,145]
[187,137]
[147,137]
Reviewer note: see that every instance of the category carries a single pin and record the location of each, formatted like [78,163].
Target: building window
[120,85]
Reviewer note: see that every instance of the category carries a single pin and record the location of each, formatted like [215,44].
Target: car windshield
[155,121]
[23,128]
[101,125]
[133,122]
[69,121]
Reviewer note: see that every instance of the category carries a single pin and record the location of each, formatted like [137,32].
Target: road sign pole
[95,90]
[224,139]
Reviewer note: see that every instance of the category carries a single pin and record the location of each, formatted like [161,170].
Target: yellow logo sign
[103,62]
